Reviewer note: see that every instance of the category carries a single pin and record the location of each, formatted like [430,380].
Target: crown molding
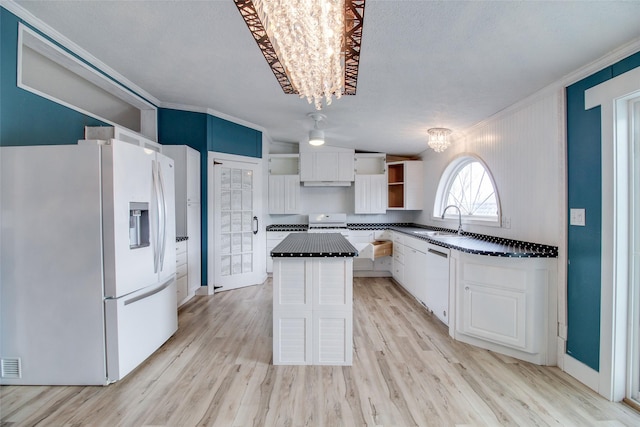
[607,60]
[65,42]
[212,112]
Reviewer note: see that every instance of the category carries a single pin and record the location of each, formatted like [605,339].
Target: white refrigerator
[87,255]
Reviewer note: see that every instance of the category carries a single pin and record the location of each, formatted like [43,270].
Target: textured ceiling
[423,63]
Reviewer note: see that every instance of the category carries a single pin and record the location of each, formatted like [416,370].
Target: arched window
[467,184]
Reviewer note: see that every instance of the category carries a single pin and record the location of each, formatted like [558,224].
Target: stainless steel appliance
[88,261]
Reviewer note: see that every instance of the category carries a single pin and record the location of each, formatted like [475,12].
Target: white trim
[37,23]
[613,96]
[43,46]
[581,372]
[211,112]
[451,170]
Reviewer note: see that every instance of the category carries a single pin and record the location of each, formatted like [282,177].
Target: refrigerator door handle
[156,196]
[163,209]
[149,293]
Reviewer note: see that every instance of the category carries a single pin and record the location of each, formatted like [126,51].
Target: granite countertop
[318,245]
[479,244]
[181,238]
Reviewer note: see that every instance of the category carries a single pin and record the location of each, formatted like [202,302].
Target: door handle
[256,225]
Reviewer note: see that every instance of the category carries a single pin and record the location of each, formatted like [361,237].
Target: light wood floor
[216,371]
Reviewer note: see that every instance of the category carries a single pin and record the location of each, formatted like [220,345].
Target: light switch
[577,217]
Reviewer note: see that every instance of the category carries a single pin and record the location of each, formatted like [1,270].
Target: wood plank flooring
[407,371]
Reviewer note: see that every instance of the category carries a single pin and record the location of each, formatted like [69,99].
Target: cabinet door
[415,270]
[377,194]
[291,192]
[307,167]
[346,166]
[276,194]
[326,166]
[362,190]
[193,176]
[193,246]
[332,337]
[292,337]
[436,291]
[494,314]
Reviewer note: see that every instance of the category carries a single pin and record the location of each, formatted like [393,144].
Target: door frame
[613,97]
[259,242]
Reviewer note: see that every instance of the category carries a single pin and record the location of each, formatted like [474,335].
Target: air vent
[10,368]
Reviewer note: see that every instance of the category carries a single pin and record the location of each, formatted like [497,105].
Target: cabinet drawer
[398,238]
[181,270]
[417,244]
[181,258]
[181,247]
[398,256]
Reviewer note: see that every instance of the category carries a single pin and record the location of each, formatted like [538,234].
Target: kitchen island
[312,300]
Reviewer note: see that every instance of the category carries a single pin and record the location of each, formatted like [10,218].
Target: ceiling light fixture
[439,139]
[316,135]
[312,47]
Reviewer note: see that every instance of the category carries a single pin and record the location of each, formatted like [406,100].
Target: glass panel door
[235,221]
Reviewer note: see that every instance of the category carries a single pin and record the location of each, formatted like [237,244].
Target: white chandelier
[439,139]
[308,37]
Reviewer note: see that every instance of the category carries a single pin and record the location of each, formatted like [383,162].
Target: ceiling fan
[316,135]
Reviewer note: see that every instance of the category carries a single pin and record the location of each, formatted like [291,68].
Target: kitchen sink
[435,233]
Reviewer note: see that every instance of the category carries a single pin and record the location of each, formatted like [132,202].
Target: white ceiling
[423,63]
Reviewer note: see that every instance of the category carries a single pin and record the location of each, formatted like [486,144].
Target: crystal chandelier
[312,46]
[439,139]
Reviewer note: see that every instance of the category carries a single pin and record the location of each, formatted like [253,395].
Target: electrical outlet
[577,217]
[506,222]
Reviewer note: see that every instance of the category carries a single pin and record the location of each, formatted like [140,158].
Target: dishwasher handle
[442,254]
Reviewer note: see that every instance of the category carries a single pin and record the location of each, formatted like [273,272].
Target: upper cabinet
[328,166]
[370,183]
[121,134]
[405,185]
[284,184]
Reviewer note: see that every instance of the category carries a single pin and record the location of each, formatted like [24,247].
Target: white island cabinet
[312,300]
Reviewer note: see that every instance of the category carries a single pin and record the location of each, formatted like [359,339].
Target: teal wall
[584,171]
[205,133]
[26,118]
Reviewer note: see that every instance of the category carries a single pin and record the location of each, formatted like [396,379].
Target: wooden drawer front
[181,258]
[181,270]
[382,248]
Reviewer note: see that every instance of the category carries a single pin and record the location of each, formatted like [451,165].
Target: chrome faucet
[459,216]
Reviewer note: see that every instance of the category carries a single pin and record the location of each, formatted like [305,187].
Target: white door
[235,208]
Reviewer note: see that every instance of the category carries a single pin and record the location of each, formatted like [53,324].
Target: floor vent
[10,368]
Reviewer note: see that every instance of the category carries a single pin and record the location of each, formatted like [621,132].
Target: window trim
[444,184]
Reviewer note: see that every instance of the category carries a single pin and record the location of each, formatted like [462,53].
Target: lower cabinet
[273,239]
[507,305]
[436,289]
[415,267]
[312,311]
[398,258]
[182,284]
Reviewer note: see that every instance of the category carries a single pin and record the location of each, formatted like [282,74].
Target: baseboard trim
[581,372]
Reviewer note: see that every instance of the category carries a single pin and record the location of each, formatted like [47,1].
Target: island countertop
[319,245]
